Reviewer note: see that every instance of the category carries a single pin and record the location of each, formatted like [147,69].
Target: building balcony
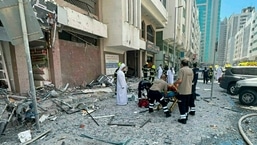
[74,21]
[181,45]
[73,16]
[156,12]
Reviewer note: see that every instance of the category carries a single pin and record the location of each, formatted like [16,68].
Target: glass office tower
[209,18]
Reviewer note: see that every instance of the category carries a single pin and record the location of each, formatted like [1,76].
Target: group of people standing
[208,74]
[185,83]
[168,71]
[186,88]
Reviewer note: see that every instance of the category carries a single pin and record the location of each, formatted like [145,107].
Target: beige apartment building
[84,39]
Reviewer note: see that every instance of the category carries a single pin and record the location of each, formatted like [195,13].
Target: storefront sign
[152,47]
[111,62]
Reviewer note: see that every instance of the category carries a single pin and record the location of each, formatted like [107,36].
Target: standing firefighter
[145,71]
[193,96]
[152,73]
[210,74]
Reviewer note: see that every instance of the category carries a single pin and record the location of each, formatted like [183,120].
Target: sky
[229,7]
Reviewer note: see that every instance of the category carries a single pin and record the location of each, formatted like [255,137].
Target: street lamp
[175,25]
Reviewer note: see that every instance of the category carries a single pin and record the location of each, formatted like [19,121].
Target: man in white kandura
[122,98]
[170,74]
[160,71]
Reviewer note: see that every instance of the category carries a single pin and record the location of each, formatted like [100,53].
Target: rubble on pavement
[53,102]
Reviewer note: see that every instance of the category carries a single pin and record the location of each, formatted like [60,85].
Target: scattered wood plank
[36,138]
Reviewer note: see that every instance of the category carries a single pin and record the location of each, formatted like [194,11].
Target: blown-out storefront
[151,51]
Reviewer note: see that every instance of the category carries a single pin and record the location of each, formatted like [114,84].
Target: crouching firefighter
[143,88]
[155,94]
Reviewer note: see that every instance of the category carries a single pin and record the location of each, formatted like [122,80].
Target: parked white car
[247,90]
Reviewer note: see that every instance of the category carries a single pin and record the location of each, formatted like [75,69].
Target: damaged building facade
[84,39]
[70,50]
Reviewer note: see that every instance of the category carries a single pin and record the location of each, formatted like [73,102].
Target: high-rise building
[245,40]
[221,53]
[209,13]
[234,24]
[253,43]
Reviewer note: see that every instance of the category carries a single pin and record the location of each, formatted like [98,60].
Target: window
[244,71]
[164,3]
[89,6]
[69,36]
[143,29]
[251,71]
[150,33]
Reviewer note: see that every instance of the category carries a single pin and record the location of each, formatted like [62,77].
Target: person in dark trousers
[210,74]
[184,83]
[152,73]
[155,94]
[145,71]
[166,67]
[143,87]
[193,96]
[205,76]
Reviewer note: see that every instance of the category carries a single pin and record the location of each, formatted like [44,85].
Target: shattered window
[87,5]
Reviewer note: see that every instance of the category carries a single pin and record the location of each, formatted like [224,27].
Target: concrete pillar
[21,70]
[140,63]
[99,5]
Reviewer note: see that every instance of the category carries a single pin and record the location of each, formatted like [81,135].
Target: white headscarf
[122,66]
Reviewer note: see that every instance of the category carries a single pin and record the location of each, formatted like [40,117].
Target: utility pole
[213,66]
[28,58]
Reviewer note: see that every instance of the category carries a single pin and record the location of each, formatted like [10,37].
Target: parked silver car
[247,90]
[234,74]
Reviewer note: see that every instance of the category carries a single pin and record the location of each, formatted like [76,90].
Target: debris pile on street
[52,102]
[75,115]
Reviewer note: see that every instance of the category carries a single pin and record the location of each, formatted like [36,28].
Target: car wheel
[248,97]
[231,88]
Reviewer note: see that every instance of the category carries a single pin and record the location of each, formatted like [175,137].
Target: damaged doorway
[40,62]
[132,63]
